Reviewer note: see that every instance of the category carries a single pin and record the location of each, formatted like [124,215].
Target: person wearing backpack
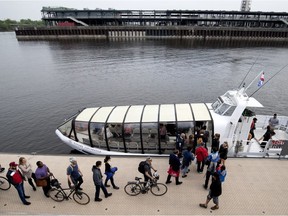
[16,179]
[145,168]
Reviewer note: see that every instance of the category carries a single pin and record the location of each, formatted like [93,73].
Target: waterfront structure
[63,23]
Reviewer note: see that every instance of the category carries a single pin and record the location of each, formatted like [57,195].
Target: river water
[44,82]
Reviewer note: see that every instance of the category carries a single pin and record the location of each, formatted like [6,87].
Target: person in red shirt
[201,155]
[15,178]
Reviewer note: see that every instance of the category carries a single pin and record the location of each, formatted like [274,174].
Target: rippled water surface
[42,83]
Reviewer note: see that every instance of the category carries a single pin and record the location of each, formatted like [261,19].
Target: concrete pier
[252,187]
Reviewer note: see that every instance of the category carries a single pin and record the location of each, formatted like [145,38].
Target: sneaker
[98,200]
[27,197]
[205,187]
[116,188]
[203,205]
[107,185]
[34,189]
[27,203]
[107,195]
[184,176]
[168,182]
[178,183]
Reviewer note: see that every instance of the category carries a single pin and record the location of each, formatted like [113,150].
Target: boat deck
[254,186]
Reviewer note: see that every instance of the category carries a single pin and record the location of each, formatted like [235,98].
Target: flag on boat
[261,81]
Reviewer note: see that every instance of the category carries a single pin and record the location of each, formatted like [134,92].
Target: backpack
[141,167]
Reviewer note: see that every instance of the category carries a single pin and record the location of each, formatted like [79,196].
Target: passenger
[215,141]
[15,178]
[27,172]
[190,141]
[180,141]
[108,132]
[214,192]
[97,178]
[74,175]
[252,128]
[201,155]
[267,136]
[213,159]
[205,135]
[223,152]
[109,172]
[273,122]
[128,131]
[174,169]
[42,175]
[188,157]
[163,132]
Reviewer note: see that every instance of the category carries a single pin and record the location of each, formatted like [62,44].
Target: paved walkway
[252,187]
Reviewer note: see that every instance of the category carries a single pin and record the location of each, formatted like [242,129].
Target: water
[42,83]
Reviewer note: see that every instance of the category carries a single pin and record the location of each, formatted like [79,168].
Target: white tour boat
[152,129]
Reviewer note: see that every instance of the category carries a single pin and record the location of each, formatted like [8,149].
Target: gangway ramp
[77,21]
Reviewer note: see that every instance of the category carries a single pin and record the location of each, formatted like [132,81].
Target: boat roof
[146,113]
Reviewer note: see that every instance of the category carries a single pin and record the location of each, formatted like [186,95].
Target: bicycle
[58,194]
[4,183]
[136,187]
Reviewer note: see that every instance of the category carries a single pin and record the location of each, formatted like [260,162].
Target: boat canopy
[149,113]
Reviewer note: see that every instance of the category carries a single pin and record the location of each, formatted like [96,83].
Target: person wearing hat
[16,179]
[74,174]
[109,172]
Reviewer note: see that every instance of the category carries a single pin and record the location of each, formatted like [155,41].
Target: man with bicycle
[147,170]
[74,174]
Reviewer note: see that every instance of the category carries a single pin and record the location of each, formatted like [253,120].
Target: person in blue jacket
[188,157]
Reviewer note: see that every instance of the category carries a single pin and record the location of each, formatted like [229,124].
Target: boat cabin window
[132,137]
[81,129]
[66,128]
[97,135]
[150,137]
[167,132]
[223,108]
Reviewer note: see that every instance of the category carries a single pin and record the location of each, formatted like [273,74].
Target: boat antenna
[248,72]
[269,80]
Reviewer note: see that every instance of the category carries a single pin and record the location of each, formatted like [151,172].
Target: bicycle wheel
[132,189]
[158,189]
[81,198]
[4,184]
[56,195]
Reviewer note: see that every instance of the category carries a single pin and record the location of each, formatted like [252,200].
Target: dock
[253,186]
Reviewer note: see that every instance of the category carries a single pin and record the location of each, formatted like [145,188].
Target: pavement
[253,186]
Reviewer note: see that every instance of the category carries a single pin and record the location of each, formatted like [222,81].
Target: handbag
[173,172]
[41,182]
